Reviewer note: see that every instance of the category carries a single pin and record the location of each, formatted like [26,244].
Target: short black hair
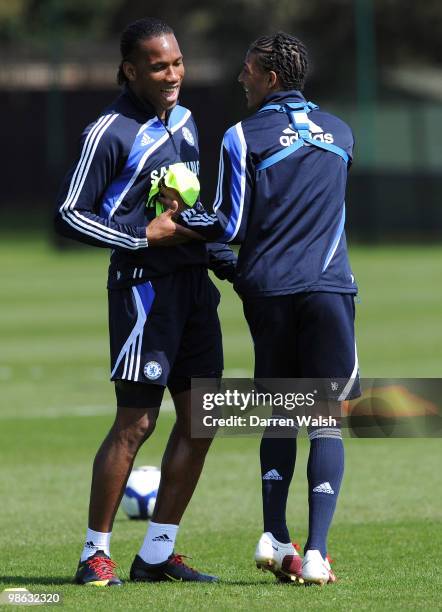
[285,55]
[143,29]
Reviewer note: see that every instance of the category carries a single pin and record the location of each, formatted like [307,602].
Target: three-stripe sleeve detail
[81,222]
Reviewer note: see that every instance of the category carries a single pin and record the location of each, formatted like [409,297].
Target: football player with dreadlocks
[280,195]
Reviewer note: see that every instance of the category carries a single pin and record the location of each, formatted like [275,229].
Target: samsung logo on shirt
[159,172]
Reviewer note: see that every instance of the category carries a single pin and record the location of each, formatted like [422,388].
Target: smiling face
[156,72]
[257,82]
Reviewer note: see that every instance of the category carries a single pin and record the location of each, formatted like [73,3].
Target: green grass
[56,406]
[384,539]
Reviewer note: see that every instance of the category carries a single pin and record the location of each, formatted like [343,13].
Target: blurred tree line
[407,31]
[379,87]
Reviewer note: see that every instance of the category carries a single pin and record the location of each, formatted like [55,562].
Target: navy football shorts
[163,332]
[305,335]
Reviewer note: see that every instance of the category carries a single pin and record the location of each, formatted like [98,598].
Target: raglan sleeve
[78,215]
[227,222]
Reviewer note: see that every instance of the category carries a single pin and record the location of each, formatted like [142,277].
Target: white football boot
[282,560]
[331,575]
[316,570]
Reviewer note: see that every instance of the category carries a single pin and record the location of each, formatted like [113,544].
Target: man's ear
[129,71]
[272,79]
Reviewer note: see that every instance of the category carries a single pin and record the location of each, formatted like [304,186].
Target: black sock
[278,457]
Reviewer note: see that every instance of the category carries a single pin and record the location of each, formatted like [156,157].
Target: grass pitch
[56,406]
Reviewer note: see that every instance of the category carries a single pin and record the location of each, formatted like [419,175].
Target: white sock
[96,540]
[159,542]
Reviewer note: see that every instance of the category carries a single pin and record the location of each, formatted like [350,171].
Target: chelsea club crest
[188,136]
[152,370]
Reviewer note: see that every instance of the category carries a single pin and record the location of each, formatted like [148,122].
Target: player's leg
[129,310]
[182,463]
[269,320]
[200,354]
[325,469]
[270,324]
[113,462]
[181,468]
[278,457]
[114,459]
[274,551]
[112,465]
[327,341]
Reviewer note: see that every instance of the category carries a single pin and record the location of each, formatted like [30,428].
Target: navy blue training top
[289,218]
[102,201]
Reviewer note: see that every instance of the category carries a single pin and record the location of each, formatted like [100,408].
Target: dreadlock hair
[135,32]
[285,55]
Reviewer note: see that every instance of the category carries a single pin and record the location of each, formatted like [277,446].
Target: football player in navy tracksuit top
[280,195]
[163,322]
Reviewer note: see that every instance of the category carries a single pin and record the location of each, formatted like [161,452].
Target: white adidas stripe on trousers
[346,390]
[131,350]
